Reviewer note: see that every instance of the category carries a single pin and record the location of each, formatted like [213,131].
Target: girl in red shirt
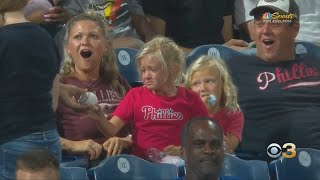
[210,76]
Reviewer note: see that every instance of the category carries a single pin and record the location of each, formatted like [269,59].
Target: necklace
[90,84]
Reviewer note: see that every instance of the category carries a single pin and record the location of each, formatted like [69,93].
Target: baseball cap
[281,6]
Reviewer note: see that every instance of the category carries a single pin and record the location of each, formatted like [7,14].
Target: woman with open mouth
[89,63]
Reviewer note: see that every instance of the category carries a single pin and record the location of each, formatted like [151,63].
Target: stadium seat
[128,167]
[303,48]
[127,66]
[249,51]
[73,173]
[245,169]
[80,162]
[305,165]
[216,50]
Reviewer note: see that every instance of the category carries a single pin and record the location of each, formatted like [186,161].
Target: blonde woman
[209,76]
[89,63]
[29,65]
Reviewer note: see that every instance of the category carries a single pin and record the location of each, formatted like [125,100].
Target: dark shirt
[28,66]
[280,102]
[191,23]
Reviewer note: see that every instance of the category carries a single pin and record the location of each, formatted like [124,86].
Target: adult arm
[89,146]
[139,21]
[227,30]
[108,127]
[242,17]
[143,27]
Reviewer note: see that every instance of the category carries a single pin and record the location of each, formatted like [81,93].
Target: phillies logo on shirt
[290,78]
[160,114]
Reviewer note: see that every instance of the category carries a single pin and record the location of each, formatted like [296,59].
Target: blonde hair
[168,53]
[12,5]
[229,98]
[108,71]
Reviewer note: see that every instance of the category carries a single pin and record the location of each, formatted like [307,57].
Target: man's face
[275,41]
[43,174]
[203,151]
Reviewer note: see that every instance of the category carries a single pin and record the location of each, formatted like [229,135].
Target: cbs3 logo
[274,150]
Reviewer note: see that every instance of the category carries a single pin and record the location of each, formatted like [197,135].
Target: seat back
[127,66]
[73,173]
[305,165]
[303,48]
[216,50]
[245,169]
[128,167]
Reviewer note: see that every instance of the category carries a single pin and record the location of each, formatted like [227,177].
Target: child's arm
[115,145]
[108,128]
[230,143]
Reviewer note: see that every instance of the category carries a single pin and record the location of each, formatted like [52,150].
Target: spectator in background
[202,149]
[29,65]
[48,13]
[192,23]
[37,164]
[159,109]
[89,63]
[309,19]
[278,93]
[209,76]
[124,18]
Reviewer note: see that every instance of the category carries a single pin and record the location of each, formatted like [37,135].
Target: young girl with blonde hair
[209,76]
[159,109]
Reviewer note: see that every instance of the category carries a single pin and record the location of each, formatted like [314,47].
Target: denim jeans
[10,151]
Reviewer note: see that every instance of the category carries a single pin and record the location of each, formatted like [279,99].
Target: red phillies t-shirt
[158,120]
[230,122]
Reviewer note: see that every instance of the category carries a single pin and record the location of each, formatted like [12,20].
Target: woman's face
[86,46]
[206,82]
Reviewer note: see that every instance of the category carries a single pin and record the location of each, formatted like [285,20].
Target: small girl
[210,76]
[159,109]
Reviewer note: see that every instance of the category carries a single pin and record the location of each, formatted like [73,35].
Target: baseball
[88,98]
[212,100]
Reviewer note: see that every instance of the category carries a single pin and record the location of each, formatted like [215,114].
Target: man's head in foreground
[37,164]
[202,142]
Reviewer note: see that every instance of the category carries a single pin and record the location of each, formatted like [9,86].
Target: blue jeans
[10,151]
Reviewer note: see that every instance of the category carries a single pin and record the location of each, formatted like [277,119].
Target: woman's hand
[89,146]
[115,145]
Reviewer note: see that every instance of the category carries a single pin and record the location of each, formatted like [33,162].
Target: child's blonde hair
[108,68]
[229,99]
[168,53]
